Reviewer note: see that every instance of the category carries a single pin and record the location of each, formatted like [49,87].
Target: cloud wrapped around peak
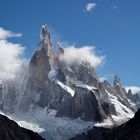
[134,89]
[4,34]
[90,6]
[10,53]
[87,54]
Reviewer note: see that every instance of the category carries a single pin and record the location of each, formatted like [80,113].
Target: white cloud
[102,79]
[10,53]
[134,89]
[106,77]
[87,54]
[90,6]
[4,34]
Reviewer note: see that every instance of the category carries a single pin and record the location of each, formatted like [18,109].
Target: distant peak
[117,81]
[60,49]
[45,40]
[129,91]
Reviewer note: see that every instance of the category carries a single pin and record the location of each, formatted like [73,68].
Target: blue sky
[113,26]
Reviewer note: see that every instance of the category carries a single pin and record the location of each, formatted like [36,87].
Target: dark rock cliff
[10,130]
[127,131]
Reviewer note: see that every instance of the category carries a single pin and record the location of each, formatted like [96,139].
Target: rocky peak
[129,91]
[130,95]
[43,58]
[44,34]
[120,91]
[45,44]
[117,82]
[44,50]
[118,86]
[39,67]
[60,49]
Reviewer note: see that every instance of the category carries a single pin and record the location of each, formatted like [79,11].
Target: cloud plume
[134,89]
[83,54]
[10,53]
[5,34]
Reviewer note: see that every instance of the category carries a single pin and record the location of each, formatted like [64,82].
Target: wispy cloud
[134,89]
[78,55]
[90,6]
[106,77]
[4,34]
[10,53]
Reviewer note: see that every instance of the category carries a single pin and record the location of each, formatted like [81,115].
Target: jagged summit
[44,33]
[45,43]
[117,81]
[60,49]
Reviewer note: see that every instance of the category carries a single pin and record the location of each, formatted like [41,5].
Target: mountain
[135,98]
[47,84]
[9,130]
[127,131]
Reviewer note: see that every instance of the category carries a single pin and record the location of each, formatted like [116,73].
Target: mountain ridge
[70,90]
[127,131]
[10,130]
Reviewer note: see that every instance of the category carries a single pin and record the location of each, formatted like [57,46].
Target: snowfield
[122,110]
[50,127]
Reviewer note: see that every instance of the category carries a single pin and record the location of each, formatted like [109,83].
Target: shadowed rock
[10,130]
[127,131]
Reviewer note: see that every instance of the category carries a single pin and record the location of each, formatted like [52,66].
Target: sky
[111,26]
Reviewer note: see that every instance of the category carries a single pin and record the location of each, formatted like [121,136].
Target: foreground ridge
[127,131]
[9,130]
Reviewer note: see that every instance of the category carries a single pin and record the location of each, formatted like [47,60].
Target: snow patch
[82,85]
[32,126]
[51,127]
[87,87]
[121,109]
[106,123]
[66,88]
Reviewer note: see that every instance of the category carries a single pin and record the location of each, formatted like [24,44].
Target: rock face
[127,131]
[84,105]
[48,87]
[135,98]
[39,67]
[119,90]
[74,90]
[9,130]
